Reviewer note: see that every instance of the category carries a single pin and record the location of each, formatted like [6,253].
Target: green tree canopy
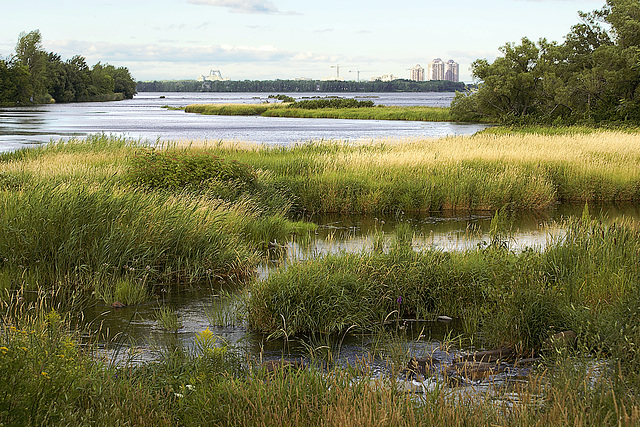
[34,75]
[594,76]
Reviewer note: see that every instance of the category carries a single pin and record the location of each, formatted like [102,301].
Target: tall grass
[82,235]
[111,217]
[481,172]
[423,114]
[232,109]
[583,282]
[48,378]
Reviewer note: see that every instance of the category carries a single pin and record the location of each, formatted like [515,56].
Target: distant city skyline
[284,39]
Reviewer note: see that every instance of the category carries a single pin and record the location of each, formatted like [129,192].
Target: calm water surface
[145,118]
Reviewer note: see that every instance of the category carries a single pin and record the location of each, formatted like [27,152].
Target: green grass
[481,172]
[93,220]
[111,218]
[168,319]
[232,109]
[424,114]
[430,114]
[48,378]
[584,282]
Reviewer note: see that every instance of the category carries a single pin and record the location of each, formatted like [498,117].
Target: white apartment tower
[436,70]
[439,70]
[451,71]
[417,73]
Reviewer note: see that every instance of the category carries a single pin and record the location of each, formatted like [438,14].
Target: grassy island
[427,114]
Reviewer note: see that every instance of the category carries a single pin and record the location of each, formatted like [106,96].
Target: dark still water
[145,118]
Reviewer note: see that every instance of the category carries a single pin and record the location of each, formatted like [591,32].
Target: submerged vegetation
[111,220]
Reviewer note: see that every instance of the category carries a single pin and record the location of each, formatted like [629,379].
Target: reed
[423,114]
[168,319]
[298,110]
[232,109]
[111,217]
[583,282]
[481,172]
[83,236]
[48,377]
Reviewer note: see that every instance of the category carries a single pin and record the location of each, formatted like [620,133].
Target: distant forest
[34,76]
[299,86]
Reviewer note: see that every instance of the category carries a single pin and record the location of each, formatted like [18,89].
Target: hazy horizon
[284,39]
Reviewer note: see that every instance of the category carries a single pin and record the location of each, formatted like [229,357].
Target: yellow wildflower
[45,374]
[4,350]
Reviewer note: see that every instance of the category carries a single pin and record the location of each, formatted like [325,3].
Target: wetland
[143,279]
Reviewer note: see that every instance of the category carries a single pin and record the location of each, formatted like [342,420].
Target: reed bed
[49,377]
[233,109]
[78,218]
[59,233]
[587,282]
[114,218]
[481,172]
[424,114]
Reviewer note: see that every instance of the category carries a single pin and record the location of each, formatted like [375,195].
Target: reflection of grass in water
[226,310]
[168,319]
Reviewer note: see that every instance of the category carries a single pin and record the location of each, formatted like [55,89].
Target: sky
[284,39]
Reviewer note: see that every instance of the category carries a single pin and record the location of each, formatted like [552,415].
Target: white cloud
[242,6]
[126,53]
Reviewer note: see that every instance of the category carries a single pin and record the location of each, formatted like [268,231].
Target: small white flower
[180,395]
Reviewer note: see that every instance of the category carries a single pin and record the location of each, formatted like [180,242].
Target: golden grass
[597,150]
[87,165]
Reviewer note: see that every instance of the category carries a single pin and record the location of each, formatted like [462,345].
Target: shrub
[313,104]
[174,169]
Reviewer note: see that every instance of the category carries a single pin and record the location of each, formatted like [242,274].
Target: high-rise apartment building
[436,70]
[439,70]
[451,71]
[417,73]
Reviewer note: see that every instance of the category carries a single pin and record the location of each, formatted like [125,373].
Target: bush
[313,104]
[174,169]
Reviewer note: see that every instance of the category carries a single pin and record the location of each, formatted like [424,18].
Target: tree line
[32,75]
[592,77]
[400,85]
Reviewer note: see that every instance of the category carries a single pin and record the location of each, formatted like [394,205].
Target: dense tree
[299,86]
[593,76]
[33,75]
[14,81]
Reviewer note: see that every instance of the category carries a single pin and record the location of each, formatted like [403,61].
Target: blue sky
[269,39]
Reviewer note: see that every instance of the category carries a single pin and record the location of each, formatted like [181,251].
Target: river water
[144,117]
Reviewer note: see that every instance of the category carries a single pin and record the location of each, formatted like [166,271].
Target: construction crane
[337,67]
[358,73]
